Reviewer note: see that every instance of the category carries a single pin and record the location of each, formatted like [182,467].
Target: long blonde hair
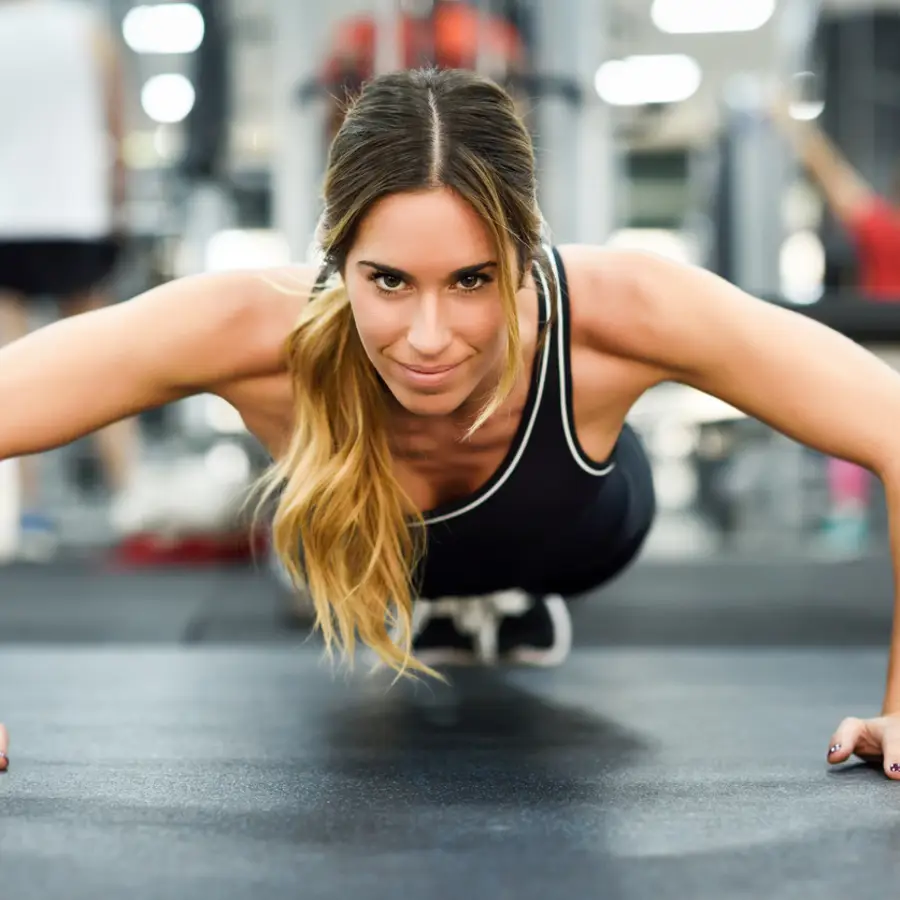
[343,527]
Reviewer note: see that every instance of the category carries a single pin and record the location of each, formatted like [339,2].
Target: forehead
[423,230]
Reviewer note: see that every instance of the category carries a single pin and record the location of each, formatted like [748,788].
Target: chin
[437,403]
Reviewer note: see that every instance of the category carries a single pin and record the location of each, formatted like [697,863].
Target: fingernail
[834,749]
[895,767]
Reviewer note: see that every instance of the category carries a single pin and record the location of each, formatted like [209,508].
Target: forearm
[892,689]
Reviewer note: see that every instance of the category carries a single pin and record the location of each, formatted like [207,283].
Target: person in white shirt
[62,186]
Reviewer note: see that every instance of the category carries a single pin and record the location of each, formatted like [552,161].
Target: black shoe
[506,627]
[456,631]
[541,636]
[438,641]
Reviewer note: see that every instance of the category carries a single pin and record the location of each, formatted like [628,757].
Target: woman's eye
[472,282]
[388,282]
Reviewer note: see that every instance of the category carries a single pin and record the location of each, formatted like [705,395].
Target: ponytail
[341,525]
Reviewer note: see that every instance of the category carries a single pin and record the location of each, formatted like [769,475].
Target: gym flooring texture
[173,736]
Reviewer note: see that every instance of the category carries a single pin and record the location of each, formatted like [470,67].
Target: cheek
[483,325]
[378,325]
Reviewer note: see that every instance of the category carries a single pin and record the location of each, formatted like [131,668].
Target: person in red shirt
[873,224]
[871,221]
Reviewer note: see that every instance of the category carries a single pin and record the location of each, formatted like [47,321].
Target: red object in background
[189,550]
[449,38]
[876,233]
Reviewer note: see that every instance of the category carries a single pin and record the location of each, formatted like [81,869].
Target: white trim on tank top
[578,455]
[542,378]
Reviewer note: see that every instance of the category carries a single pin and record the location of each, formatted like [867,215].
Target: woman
[456,386]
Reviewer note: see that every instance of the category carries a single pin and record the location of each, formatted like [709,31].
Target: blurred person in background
[872,222]
[445,33]
[62,188]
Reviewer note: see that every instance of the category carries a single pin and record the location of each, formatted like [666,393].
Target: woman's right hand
[4,743]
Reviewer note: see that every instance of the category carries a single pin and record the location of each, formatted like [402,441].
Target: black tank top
[549,516]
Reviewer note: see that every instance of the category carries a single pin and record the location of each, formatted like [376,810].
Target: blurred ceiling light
[168,98]
[172,28]
[806,111]
[640,80]
[710,16]
[806,103]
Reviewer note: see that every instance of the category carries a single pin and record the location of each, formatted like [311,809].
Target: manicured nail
[895,767]
[834,749]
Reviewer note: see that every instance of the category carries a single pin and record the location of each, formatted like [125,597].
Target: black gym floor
[173,737]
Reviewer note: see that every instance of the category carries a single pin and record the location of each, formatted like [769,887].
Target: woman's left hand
[873,740]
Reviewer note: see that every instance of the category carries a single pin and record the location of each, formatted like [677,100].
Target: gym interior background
[140,632]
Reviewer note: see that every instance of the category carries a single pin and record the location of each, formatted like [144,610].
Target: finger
[891,749]
[844,741]
[4,745]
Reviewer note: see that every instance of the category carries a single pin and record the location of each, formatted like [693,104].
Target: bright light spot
[639,80]
[228,464]
[676,484]
[710,16]
[807,111]
[802,265]
[168,144]
[221,416]
[806,101]
[674,440]
[168,98]
[660,241]
[171,28]
[235,249]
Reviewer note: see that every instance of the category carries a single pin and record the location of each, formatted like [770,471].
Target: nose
[429,335]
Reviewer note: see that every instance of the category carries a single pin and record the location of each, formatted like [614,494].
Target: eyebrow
[455,275]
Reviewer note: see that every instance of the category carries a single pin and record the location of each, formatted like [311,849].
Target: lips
[428,370]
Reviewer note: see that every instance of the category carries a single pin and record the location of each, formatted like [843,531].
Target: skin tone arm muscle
[802,378]
[191,336]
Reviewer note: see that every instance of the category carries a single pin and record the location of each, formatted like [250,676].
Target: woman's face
[422,278]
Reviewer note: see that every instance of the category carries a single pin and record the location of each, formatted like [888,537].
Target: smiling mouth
[429,370]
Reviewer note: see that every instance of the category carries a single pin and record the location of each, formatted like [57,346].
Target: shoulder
[676,318]
[234,324]
[259,310]
[618,298]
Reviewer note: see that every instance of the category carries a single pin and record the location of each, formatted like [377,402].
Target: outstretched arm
[204,334]
[847,192]
[79,374]
[802,378]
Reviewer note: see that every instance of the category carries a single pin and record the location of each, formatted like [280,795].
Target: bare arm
[196,335]
[847,192]
[800,377]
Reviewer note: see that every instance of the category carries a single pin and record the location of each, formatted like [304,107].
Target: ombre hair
[344,528]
